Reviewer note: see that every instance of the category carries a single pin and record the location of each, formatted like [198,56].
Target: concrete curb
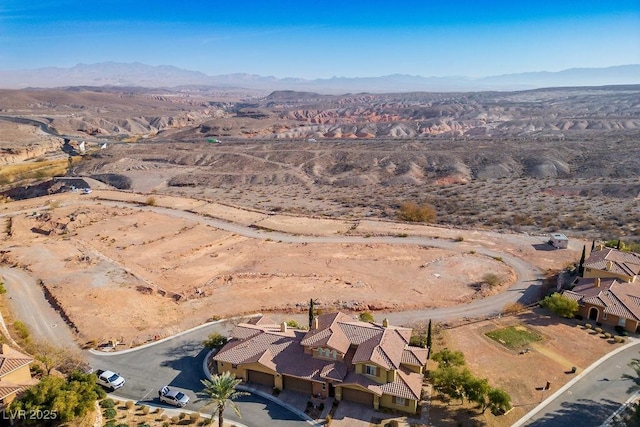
[528,415]
[150,344]
[264,395]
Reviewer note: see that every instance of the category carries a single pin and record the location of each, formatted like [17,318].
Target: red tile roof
[626,263]
[11,360]
[620,299]
[360,342]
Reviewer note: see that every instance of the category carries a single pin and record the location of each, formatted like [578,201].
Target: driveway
[350,414]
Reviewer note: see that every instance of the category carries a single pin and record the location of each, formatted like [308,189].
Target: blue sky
[324,39]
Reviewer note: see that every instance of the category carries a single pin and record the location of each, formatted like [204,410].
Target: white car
[173,397]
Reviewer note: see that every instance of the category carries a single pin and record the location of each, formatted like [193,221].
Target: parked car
[109,379]
[173,397]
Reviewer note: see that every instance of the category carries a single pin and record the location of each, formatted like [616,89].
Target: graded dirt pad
[565,344]
[136,271]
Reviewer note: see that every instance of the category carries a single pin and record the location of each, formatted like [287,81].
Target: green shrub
[21,329]
[110,423]
[110,413]
[107,403]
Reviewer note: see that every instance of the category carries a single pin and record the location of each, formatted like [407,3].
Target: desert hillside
[536,161]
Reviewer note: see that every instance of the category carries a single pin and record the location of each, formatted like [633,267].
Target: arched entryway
[593,313]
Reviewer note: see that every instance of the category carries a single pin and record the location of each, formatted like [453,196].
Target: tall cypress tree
[593,245]
[581,266]
[429,339]
[311,314]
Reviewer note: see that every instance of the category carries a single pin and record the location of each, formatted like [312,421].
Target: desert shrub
[3,290]
[175,419]
[151,201]
[214,340]
[194,418]
[107,403]
[366,316]
[110,413]
[294,324]
[459,239]
[410,211]
[327,420]
[145,409]
[598,330]
[130,404]
[607,335]
[513,307]
[588,326]
[491,279]
[182,415]
[22,330]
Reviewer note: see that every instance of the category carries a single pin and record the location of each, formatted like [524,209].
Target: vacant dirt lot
[133,271]
[520,374]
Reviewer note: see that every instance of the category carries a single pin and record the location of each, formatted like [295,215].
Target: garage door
[261,378]
[357,396]
[297,384]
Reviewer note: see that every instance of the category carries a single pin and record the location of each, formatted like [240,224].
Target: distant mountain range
[142,75]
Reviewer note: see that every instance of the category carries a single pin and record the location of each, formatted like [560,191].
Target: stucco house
[15,374]
[608,301]
[339,356]
[612,263]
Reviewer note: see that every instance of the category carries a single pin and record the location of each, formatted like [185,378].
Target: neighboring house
[608,301]
[14,374]
[340,357]
[559,241]
[612,263]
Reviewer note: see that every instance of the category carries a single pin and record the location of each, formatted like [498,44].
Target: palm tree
[220,391]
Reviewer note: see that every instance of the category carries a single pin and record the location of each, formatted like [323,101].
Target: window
[622,322]
[326,353]
[324,386]
[604,316]
[370,370]
[401,401]
[234,366]
[333,354]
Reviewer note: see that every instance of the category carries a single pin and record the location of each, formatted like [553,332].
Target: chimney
[385,323]
[316,323]
[609,265]
[597,282]
[601,247]
[283,327]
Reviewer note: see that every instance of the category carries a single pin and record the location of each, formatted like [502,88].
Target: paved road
[594,398]
[178,362]
[29,305]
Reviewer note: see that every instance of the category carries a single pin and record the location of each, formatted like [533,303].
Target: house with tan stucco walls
[340,357]
[15,375]
[609,291]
